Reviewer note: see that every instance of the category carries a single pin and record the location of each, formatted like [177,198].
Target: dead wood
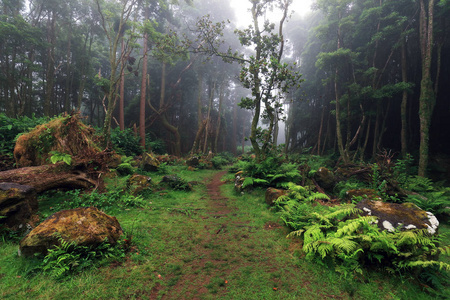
[48,177]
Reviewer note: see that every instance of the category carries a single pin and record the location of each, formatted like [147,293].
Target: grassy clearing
[189,245]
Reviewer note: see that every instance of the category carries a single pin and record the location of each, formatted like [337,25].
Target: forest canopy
[352,77]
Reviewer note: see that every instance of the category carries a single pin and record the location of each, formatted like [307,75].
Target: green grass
[186,246]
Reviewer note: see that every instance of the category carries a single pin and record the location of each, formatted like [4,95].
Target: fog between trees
[374,73]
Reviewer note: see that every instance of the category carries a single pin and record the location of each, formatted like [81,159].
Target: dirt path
[229,249]
[194,285]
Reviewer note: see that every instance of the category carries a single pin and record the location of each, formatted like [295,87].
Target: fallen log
[48,177]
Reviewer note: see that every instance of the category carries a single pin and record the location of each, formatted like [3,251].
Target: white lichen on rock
[411,226]
[434,223]
[388,226]
[368,211]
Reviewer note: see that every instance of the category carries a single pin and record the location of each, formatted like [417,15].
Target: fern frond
[316,196]
[354,225]
[425,263]
[344,244]
[313,233]
[247,181]
[296,233]
[343,212]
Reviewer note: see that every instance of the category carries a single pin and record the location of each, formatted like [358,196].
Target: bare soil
[223,234]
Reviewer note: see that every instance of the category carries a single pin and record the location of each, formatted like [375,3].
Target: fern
[248,181]
[352,226]
[425,264]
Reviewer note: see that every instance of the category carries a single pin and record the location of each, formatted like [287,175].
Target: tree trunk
[208,117]
[143,93]
[234,136]
[50,74]
[163,117]
[219,117]
[122,87]
[427,97]
[404,104]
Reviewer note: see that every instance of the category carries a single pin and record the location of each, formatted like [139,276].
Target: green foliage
[222,159]
[437,202]
[10,128]
[350,241]
[295,207]
[272,171]
[108,201]
[419,184]
[157,146]
[68,258]
[402,169]
[342,187]
[57,157]
[125,169]
[125,142]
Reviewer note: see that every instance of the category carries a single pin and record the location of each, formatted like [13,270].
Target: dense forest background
[374,74]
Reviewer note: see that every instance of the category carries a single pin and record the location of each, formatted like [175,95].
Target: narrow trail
[227,251]
[216,223]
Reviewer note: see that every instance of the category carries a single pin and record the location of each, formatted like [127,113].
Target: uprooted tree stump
[64,135]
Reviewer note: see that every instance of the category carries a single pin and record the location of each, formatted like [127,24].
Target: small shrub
[125,169]
[10,128]
[68,258]
[125,142]
[105,201]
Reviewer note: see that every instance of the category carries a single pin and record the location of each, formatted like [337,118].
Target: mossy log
[48,177]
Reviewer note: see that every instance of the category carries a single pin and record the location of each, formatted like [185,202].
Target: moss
[63,134]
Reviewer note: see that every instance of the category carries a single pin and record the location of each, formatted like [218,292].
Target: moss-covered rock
[149,163]
[272,194]
[137,184]
[392,216]
[86,226]
[17,204]
[325,178]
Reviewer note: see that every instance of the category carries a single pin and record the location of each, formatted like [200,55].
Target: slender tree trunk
[50,74]
[122,88]
[319,137]
[69,67]
[208,118]
[404,104]
[427,97]
[143,93]
[219,117]
[340,141]
[234,135]
[85,65]
[163,116]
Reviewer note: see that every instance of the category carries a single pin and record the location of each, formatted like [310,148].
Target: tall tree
[427,98]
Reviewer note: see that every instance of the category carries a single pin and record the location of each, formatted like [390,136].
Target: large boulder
[325,178]
[149,163]
[17,204]
[137,184]
[392,216]
[272,194]
[85,226]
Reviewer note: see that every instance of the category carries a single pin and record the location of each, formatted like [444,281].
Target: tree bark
[219,117]
[143,93]
[404,104]
[48,177]
[427,97]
